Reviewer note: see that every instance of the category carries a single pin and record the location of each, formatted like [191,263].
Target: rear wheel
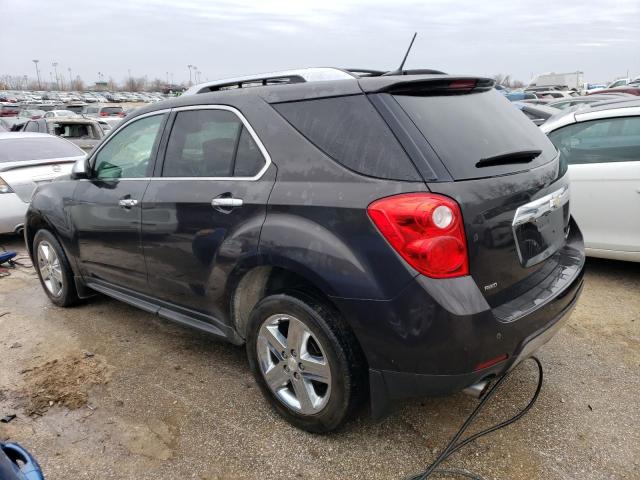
[53,269]
[306,361]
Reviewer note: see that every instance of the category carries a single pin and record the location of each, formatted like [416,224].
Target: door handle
[226,202]
[127,202]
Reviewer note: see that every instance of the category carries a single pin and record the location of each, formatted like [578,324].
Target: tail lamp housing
[426,230]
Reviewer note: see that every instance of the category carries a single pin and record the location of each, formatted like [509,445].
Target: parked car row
[28,97]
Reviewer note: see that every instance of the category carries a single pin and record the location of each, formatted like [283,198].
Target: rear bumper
[389,386]
[12,212]
[434,337]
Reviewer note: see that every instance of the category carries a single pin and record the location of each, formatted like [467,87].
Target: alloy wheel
[293,364]
[50,269]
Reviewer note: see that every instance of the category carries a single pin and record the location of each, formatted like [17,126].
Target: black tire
[68,295]
[349,385]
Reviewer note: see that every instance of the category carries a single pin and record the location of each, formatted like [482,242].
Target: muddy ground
[106,391]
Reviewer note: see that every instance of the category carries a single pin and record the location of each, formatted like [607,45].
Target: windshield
[34,148]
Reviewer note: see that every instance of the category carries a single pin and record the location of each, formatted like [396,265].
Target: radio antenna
[399,70]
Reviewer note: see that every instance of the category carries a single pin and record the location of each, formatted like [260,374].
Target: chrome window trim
[115,132]
[247,125]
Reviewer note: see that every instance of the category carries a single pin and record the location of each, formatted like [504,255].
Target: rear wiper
[507,158]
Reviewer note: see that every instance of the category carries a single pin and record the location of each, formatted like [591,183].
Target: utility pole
[37,73]
[55,68]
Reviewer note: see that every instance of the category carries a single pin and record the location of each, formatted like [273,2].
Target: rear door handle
[226,202]
[127,202]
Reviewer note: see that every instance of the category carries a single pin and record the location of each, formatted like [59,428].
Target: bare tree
[155,85]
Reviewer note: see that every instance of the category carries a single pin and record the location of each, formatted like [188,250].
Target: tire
[319,386]
[60,286]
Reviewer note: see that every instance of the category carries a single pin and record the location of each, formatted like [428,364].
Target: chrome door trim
[249,128]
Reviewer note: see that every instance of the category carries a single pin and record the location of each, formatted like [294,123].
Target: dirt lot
[104,391]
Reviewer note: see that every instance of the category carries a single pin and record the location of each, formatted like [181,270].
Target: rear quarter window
[352,132]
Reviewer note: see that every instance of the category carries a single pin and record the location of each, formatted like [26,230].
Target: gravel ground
[115,393]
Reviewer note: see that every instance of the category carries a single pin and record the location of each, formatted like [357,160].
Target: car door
[106,213]
[604,163]
[204,208]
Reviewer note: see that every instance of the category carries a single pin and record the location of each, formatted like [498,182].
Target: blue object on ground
[18,464]
[6,256]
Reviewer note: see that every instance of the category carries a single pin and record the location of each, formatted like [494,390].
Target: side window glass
[127,153]
[249,159]
[31,127]
[202,144]
[599,141]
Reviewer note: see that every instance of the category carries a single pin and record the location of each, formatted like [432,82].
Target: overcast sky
[226,38]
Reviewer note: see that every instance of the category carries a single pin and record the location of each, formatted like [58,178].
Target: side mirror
[80,169]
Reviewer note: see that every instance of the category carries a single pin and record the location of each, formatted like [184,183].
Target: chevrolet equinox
[366,236]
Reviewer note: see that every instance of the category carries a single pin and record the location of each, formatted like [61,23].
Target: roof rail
[273,78]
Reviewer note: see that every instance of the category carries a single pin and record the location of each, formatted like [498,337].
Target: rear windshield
[465,129]
[22,149]
[111,110]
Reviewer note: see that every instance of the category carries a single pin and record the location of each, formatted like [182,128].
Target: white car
[601,146]
[60,113]
[26,160]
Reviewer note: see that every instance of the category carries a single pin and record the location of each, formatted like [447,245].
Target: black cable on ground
[454,444]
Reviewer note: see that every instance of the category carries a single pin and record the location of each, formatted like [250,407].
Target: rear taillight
[4,187]
[426,230]
[104,114]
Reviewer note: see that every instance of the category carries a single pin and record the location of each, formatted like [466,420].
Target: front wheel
[53,269]
[306,361]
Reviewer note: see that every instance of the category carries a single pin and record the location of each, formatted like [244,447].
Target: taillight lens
[426,230]
[104,114]
[4,187]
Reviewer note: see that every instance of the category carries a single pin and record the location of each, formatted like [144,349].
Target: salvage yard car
[369,236]
[84,132]
[26,161]
[601,145]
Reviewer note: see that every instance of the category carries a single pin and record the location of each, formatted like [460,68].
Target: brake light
[426,230]
[466,84]
[104,114]
[121,114]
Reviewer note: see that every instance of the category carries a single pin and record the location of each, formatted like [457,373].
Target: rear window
[111,110]
[465,129]
[42,148]
[351,131]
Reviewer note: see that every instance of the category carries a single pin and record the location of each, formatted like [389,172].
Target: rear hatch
[472,145]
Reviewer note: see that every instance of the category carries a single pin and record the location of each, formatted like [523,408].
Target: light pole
[55,69]
[37,73]
[189,67]
[70,79]
[195,73]
[167,79]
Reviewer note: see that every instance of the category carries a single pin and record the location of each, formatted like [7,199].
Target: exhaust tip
[477,390]
[19,230]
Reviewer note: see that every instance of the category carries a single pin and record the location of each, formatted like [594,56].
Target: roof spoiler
[424,85]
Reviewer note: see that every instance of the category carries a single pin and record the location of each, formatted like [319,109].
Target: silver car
[26,160]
